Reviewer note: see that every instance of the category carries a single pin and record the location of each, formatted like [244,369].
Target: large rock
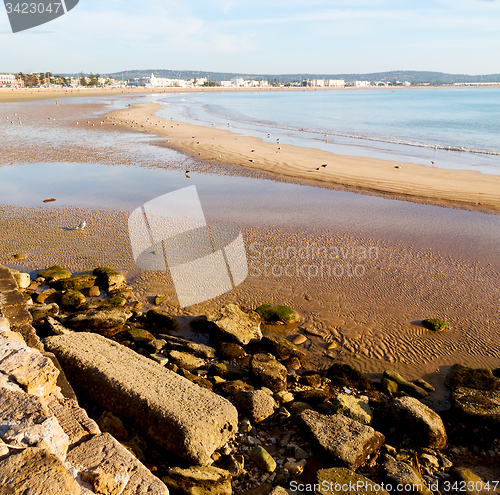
[270,372]
[395,473]
[36,471]
[479,378]
[111,469]
[54,273]
[186,360]
[419,422]
[353,408]
[345,375]
[161,320]
[340,481]
[477,407]
[405,385]
[198,480]
[99,319]
[188,420]
[41,311]
[256,403]
[470,483]
[26,421]
[281,348]
[35,373]
[77,282]
[110,280]
[23,280]
[277,314]
[236,323]
[346,441]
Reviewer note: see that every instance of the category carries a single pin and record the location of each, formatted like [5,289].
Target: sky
[261,37]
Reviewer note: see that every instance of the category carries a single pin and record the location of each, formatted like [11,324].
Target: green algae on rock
[54,273]
[277,314]
[436,324]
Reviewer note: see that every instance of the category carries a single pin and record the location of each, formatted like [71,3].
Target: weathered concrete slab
[62,380]
[13,307]
[34,471]
[29,335]
[187,419]
[111,468]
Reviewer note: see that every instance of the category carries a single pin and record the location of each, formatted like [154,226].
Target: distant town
[48,80]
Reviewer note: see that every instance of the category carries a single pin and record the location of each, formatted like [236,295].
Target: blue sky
[259,36]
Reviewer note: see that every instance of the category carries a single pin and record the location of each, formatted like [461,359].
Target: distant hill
[395,75]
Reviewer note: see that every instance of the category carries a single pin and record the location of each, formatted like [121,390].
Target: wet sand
[374,320]
[427,184]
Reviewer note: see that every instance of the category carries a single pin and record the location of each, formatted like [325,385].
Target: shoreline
[398,180]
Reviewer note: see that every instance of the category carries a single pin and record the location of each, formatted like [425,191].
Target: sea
[456,128]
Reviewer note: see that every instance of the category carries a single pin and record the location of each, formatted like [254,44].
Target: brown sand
[463,189]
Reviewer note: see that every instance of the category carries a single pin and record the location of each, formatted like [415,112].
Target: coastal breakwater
[296,429]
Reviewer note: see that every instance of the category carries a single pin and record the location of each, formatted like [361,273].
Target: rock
[462,376]
[264,489]
[277,314]
[314,396]
[389,386]
[94,291]
[109,423]
[339,481]
[185,360]
[353,408]
[233,387]
[140,335]
[419,423]
[268,371]
[295,468]
[159,358]
[236,464]
[197,480]
[436,324]
[297,407]
[470,482]
[477,407]
[293,363]
[54,273]
[35,373]
[199,380]
[180,344]
[188,420]
[227,370]
[281,348]
[56,327]
[99,319]
[408,387]
[110,280]
[26,421]
[230,351]
[278,490]
[423,384]
[161,320]
[256,403]
[36,471]
[431,461]
[299,339]
[399,473]
[77,282]
[237,324]
[311,380]
[72,299]
[284,397]
[344,440]
[344,375]
[111,469]
[44,295]
[41,311]
[263,459]
[23,280]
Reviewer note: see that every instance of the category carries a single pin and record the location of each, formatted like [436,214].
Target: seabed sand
[375,320]
[428,184]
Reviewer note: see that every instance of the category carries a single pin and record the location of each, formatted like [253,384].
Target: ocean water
[457,128]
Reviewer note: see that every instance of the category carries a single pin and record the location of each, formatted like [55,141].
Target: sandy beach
[428,184]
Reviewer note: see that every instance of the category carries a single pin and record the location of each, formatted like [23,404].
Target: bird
[397,166]
[186,173]
[434,163]
[324,165]
[252,151]
[317,168]
[82,225]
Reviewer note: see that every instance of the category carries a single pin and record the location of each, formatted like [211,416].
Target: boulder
[186,360]
[471,483]
[198,480]
[344,375]
[277,314]
[281,348]
[23,280]
[238,324]
[110,280]
[227,370]
[462,376]
[99,319]
[270,372]
[419,422]
[341,481]
[436,324]
[233,387]
[256,403]
[77,282]
[36,471]
[410,388]
[54,273]
[72,299]
[41,311]
[186,419]
[353,408]
[343,439]
[56,327]
[230,351]
[161,320]
[111,469]
[395,473]
[477,407]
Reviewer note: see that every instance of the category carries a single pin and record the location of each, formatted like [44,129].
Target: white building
[335,82]
[362,84]
[8,80]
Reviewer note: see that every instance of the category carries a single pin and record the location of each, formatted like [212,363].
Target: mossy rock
[112,302]
[277,314]
[140,335]
[477,378]
[77,282]
[344,375]
[72,299]
[436,324]
[54,273]
[160,319]
[110,280]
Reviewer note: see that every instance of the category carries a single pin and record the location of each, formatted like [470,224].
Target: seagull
[186,173]
[324,165]
[81,225]
[434,163]
[317,168]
